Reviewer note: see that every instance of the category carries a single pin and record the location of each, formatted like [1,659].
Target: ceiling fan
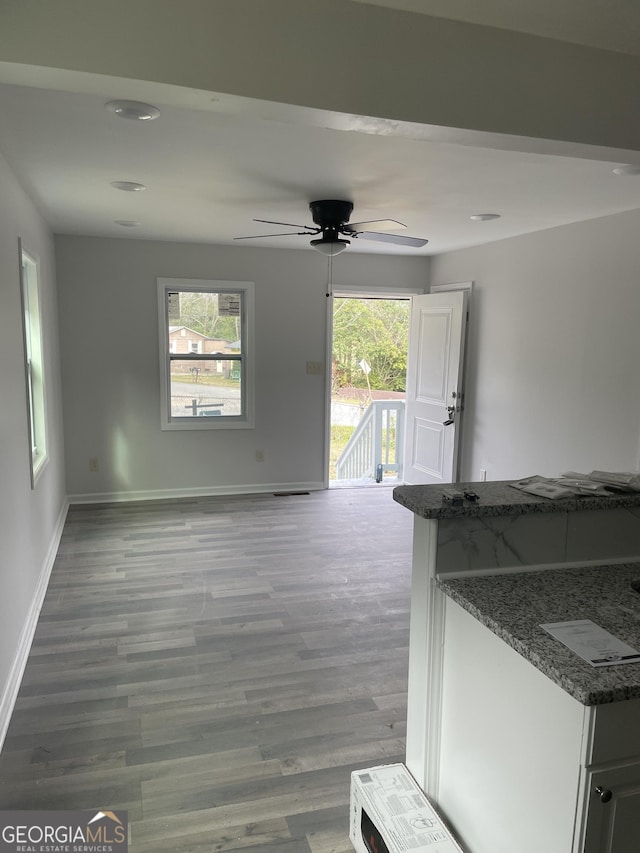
[331,218]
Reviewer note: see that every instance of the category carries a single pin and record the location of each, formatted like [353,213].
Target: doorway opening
[368,387]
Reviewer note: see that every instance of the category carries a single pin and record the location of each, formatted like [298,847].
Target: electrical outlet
[259,455]
[93,464]
[483,475]
[316,368]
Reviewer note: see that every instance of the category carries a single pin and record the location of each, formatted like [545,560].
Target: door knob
[604,793]
[451,411]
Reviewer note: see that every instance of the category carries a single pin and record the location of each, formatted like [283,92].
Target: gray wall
[110,362]
[551,365]
[554,349]
[30,520]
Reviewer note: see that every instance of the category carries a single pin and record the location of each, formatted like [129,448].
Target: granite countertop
[499,498]
[513,606]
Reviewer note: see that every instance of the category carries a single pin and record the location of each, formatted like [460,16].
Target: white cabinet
[520,761]
[613,781]
[613,817]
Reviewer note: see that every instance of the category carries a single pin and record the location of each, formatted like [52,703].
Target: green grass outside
[215,379]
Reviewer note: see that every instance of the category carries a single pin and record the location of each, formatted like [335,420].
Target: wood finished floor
[218,667]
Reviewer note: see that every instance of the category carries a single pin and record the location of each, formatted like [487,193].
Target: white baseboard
[205,492]
[10,693]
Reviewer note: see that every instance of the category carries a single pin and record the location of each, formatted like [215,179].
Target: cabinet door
[613,819]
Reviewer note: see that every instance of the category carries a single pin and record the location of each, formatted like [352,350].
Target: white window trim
[246,421]
[35,397]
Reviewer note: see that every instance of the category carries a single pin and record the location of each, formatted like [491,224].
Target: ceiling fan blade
[374,225]
[288,224]
[400,239]
[283,234]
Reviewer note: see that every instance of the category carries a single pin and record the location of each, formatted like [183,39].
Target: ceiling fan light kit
[331,221]
[330,245]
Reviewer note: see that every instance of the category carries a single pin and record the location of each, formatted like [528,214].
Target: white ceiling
[210,168]
[608,24]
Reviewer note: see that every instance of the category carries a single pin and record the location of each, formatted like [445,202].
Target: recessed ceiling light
[627,170]
[128,186]
[484,217]
[126,223]
[136,110]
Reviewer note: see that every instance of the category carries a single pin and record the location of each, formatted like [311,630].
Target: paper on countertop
[623,480]
[569,485]
[583,484]
[593,643]
[543,487]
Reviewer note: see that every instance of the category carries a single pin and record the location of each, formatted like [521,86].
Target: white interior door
[434,387]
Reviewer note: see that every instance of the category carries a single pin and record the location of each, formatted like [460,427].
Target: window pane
[31,403]
[204,321]
[34,363]
[206,388]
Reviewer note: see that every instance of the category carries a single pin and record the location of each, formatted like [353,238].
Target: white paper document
[595,645]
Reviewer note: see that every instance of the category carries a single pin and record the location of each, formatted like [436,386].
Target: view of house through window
[205,351]
[34,363]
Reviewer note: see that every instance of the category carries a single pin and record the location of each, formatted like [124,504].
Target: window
[206,353]
[34,364]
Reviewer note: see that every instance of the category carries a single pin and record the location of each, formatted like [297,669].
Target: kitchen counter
[500,498]
[513,606]
[507,564]
[507,727]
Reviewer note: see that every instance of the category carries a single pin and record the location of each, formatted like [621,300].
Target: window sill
[214,423]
